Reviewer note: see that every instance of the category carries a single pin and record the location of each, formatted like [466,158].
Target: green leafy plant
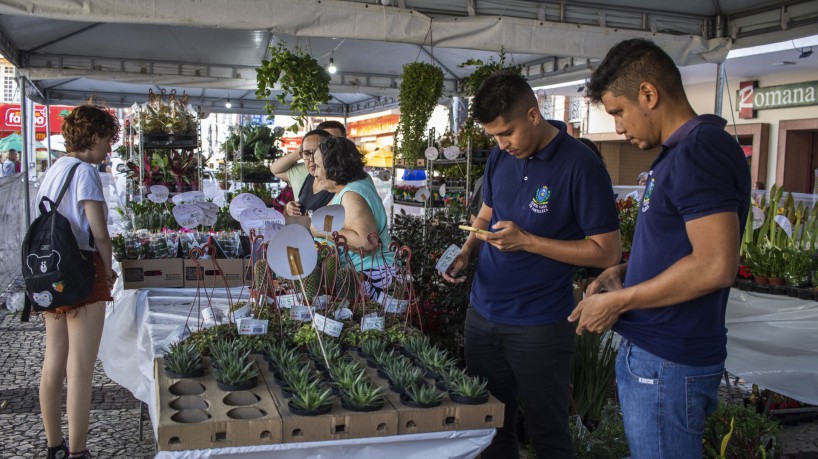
[451,376]
[235,349]
[798,264]
[363,394]
[753,434]
[593,370]
[345,375]
[297,74]
[305,335]
[373,346]
[397,364]
[436,360]
[235,372]
[417,344]
[483,70]
[183,358]
[312,398]
[424,395]
[404,377]
[420,89]
[759,260]
[297,377]
[381,357]
[607,440]
[469,386]
[331,349]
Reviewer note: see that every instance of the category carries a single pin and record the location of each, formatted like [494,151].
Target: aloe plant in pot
[312,400]
[469,390]
[421,396]
[183,360]
[236,374]
[363,396]
[402,378]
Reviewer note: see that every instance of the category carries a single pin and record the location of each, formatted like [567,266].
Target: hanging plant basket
[420,89]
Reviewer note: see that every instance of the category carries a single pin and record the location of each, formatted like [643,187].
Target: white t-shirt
[8,168]
[85,186]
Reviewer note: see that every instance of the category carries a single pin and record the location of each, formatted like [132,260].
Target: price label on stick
[321,301]
[327,326]
[209,316]
[300,313]
[393,305]
[248,326]
[343,314]
[447,258]
[372,323]
[288,301]
[159,194]
[188,215]
[242,312]
[188,197]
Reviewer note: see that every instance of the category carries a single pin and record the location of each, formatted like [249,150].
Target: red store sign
[12,118]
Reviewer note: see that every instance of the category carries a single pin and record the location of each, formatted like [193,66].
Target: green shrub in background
[753,436]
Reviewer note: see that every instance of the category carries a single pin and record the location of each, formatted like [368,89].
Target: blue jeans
[664,403]
[529,363]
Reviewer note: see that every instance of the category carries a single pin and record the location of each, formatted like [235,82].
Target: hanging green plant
[298,75]
[472,82]
[420,88]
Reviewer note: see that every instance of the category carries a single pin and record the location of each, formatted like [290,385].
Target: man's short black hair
[503,94]
[332,124]
[343,162]
[319,132]
[630,63]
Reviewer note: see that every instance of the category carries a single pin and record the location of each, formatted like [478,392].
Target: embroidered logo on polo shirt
[648,192]
[539,203]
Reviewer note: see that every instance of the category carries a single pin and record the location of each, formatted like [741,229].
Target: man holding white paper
[548,202]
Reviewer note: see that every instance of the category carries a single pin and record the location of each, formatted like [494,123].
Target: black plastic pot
[457,398]
[432,374]
[363,354]
[405,400]
[382,374]
[792,291]
[806,294]
[745,284]
[318,412]
[361,409]
[173,375]
[234,387]
[396,389]
[762,288]
[441,385]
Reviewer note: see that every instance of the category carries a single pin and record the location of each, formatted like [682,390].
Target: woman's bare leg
[84,334]
[52,376]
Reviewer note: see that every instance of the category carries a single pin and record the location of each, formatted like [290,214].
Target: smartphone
[473,229]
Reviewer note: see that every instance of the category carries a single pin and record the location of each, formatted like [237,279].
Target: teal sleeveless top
[366,189]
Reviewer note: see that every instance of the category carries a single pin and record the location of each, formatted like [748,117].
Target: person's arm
[280,166]
[711,265]
[470,248]
[598,251]
[95,212]
[358,224]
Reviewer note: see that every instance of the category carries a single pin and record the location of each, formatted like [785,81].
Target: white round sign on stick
[431,153]
[244,201]
[422,195]
[159,194]
[257,218]
[758,217]
[451,152]
[291,253]
[442,190]
[188,215]
[329,218]
[211,213]
[189,197]
[270,230]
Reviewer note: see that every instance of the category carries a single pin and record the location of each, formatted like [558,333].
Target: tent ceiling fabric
[210,48]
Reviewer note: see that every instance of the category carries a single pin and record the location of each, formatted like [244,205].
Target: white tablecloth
[772,341]
[139,320]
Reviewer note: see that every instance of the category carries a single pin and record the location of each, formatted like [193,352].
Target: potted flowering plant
[628,210]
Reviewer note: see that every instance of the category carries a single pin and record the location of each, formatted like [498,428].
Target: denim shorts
[664,404]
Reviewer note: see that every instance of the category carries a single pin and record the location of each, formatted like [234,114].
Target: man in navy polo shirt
[670,308]
[543,193]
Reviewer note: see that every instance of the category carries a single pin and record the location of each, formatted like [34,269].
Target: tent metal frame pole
[719,89]
[48,129]
[24,135]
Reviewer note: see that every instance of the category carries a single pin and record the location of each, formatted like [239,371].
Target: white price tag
[321,301]
[372,323]
[188,215]
[328,326]
[442,190]
[447,258]
[257,218]
[784,223]
[343,314]
[248,326]
[288,301]
[758,217]
[209,316]
[178,334]
[188,197]
[393,305]
[300,313]
[242,312]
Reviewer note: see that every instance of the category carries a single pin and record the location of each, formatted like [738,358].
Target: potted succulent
[414,345]
[394,365]
[469,390]
[404,377]
[183,360]
[449,377]
[313,400]
[371,347]
[296,379]
[435,361]
[421,396]
[363,396]
[232,374]
[379,358]
[345,375]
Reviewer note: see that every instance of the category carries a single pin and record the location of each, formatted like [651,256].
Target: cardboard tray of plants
[194,413]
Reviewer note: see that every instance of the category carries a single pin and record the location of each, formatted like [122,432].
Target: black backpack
[56,272]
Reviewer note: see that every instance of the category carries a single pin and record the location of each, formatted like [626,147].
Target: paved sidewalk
[114,425]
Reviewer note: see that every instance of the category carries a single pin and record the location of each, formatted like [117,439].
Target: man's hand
[596,313]
[293,209]
[453,274]
[508,237]
[609,281]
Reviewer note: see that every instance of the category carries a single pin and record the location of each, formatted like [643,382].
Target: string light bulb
[228,104]
[331,68]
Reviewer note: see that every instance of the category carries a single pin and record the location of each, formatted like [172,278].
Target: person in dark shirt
[668,302]
[543,193]
[310,195]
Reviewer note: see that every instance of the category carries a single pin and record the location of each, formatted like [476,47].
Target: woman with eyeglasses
[301,177]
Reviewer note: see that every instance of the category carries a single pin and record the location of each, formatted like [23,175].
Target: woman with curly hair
[339,169]
[72,333]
